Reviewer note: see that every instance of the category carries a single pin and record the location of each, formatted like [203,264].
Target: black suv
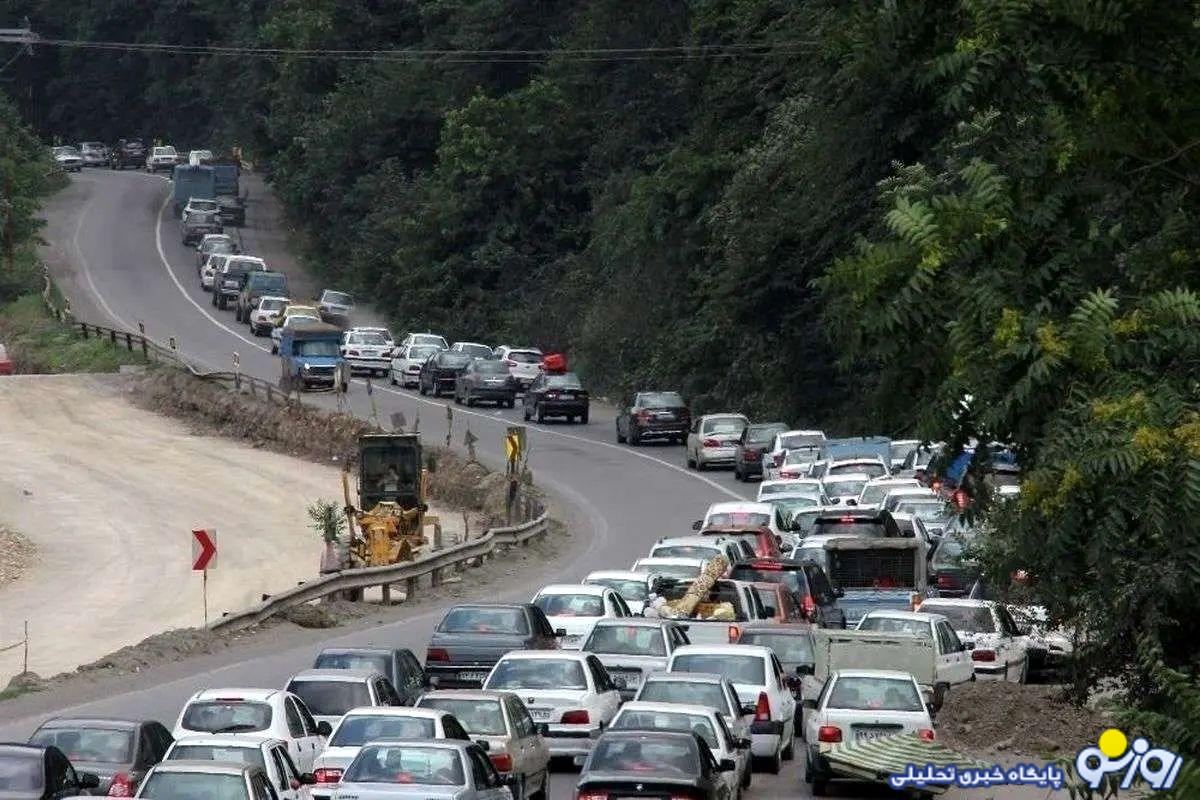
[128,153]
[556,396]
[752,447]
[661,415]
[807,582]
[440,372]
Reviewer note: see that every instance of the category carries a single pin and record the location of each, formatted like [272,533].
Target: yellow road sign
[514,442]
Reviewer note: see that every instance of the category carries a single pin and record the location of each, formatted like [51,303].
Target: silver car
[713,439]
[422,770]
[206,779]
[702,689]
[631,649]
[330,693]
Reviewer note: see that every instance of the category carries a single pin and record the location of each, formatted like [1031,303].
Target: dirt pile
[986,717]
[306,432]
[16,554]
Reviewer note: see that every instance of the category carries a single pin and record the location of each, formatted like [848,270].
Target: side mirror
[698,524]
[748,708]
[560,632]
[744,743]
[306,779]
[324,728]
[483,745]
[87,780]
[805,669]
[839,592]
[810,704]
[541,728]
[726,765]
[579,761]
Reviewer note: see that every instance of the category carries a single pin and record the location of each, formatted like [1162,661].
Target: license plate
[540,713]
[567,396]
[665,415]
[864,734]
[473,676]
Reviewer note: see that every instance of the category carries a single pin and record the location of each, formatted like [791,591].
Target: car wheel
[620,438]
[421,387]
[1024,676]
[510,403]
[525,411]
[541,794]
[469,400]
[274,348]
[634,437]
[817,780]
[541,413]
[737,473]
[789,752]
[939,699]
[392,378]
[773,764]
[584,418]
[214,298]
[747,777]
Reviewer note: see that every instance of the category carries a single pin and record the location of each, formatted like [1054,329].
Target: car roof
[714,542]
[275,297]
[722,415]
[616,574]
[686,677]
[775,629]
[846,476]
[635,622]
[441,744]
[465,694]
[671,561]
[338,675]
[669,708]
[573,588]
[822,538]
[241,694]
[915,616]
[960,602]
[396,711]
[559,655]
[357,650]
[514,606]
[789,481]
[247,741]
[739,505]
[872,673]
[84,722]
[723,650]
[473,344]
[208,767]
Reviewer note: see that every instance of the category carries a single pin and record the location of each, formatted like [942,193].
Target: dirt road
[109,493]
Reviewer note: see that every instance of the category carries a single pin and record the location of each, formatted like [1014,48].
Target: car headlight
[306,367]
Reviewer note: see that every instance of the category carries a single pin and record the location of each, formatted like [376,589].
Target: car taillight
[712,442]
[983,655]
[768,566]
[576,718]
[735,633]
[592,796]
[926,734]
[120,786]
[327,775]
[752,455]
[787,473]
[777,460]
[501,761]
[680,797]
[762,709]
[810,606]
[436,654]
[829,733]
[945,581]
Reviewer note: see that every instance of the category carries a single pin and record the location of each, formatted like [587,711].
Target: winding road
[122,264]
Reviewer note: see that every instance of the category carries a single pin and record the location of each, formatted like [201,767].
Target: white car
[266,313]
[208,272]
[894,496]
[796,463]
[434,769]
[289,321]
[899,450]
[998,649]
[575,607]
[95,154]
[335,304]
[360,726]
[473,349]
[330,693]
[738,513]
[367,350]
[701,689]
[873,493]
[524,363]
[67,158]
[500,721]
[704,721]
[163,157]
[703,547]
[260,751]
[407,361]
[196,157]
[844,490]
[196,204]
[954,666]
[179,779]
[684,568]
[713,439]
[803,442]
[425,338]
[857,706]
[789,487]
[758,677]
[568,691]
[631,649]
[255,712]
[632,586]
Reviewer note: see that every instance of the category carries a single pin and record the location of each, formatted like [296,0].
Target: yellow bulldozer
[388,523]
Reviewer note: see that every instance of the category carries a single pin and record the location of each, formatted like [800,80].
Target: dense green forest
[848,213]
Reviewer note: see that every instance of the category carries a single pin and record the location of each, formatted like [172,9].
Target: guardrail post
[83,329]
[128,342]
[387,594]
[112,337]
[145,353]
[410,589]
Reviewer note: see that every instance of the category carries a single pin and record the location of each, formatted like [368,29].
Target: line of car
[130,152]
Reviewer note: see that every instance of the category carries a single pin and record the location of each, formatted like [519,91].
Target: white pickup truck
[704,626]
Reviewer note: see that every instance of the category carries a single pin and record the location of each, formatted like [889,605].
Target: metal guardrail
[409,573]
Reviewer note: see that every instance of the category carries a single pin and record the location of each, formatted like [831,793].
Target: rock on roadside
[16,554]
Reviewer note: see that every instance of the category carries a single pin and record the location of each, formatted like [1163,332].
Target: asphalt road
[122,264]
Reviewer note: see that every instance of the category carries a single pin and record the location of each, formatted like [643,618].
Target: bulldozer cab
[389,470]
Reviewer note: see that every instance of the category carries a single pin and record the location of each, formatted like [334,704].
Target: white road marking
[418,398]
[87,272]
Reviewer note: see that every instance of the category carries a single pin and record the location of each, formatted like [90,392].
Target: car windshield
[210,786]
[104,745]
[453,360]
[760,434]
[809,490]
[969,619]
[895,625]
[848,525]
[685,551]
[338,298]
[788,507]
[524,356]
[872,493]
[629,640]
[738,519]
[424,766]
[20,773]
[669,570]
[846,488]
[571,605]
[355,731]
[723,425]
[476,350]
[872,469]
[950,552]
[875,694]
[640,720]
[644,755]
[491,368]
[628,588]
[380,662]
[485,620]
[802,520]
[805,442]
[271,305]
[661,400]
[738,669]
[250,756]
[800,455]
[318,348]
[815,554]
[926,510]
[422,352]
[219,246]
[65,151]
[269,281]
[217,716]
[196,204]
[537,673]
[568,380]
[478,717]
[685,693]
[792,578]
[791,649]
[331,698]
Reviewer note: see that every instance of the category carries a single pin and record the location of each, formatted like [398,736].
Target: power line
[675,53]
[22,50]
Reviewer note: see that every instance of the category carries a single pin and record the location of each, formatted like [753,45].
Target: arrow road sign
[204,549]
